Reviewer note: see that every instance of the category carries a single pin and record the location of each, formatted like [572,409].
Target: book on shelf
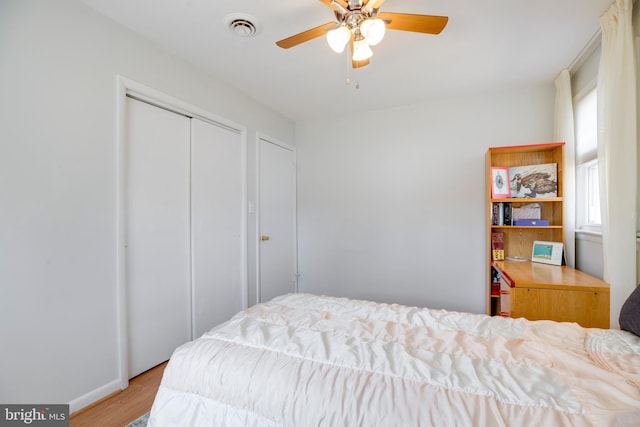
[501,213]
[496,213]
[529,222]
[497,245]
[506,214]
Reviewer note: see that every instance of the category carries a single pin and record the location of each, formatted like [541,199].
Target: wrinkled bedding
[307,360]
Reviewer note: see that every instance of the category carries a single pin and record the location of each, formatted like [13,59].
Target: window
[587,184]
[592,194]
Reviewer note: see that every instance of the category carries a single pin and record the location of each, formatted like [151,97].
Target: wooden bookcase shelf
[518,240]
[529,289]
[521,200]
[537,227]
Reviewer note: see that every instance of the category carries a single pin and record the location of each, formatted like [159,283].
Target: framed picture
[548,252]
[500,182]
[533,181]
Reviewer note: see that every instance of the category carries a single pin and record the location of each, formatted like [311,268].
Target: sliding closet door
[157,233]
[217,170]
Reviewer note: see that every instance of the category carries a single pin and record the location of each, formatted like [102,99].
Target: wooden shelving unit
[518,240]
[529,289]
[533,290]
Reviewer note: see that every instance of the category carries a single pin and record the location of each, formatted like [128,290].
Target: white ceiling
[486,45]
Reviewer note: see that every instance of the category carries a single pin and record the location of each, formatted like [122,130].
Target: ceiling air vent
[241,25]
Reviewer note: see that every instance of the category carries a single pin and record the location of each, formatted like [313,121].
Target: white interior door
[217,224]
[277,220]
[156,233]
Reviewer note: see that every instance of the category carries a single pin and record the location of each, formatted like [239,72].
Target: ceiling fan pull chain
[356,71]
[348,80]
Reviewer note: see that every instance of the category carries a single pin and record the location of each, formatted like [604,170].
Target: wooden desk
[540,291]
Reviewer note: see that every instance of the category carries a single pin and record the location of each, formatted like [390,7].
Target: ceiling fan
[362,25]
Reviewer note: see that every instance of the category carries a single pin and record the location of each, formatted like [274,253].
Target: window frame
[585,187]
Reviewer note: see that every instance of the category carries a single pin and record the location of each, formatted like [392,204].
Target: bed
[308,360]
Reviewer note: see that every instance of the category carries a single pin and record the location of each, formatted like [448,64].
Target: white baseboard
[94,395]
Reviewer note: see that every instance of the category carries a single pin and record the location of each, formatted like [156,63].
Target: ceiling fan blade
[305,36]
[341,3]
[371,5]
[428,24]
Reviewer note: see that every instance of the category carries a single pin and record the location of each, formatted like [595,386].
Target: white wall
[58,66]
[392,205]
[589,256]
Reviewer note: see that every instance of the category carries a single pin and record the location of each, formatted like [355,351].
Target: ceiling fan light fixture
[338,38]
[373,30]
[360,24]
[361,49]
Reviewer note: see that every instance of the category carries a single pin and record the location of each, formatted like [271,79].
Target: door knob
[264,238]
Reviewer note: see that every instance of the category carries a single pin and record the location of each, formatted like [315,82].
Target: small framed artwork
[534,180]
[500,188]
[548,252]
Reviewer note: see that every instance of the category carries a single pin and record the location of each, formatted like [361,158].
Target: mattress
[308,360]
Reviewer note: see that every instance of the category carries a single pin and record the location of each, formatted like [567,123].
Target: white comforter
[305,360]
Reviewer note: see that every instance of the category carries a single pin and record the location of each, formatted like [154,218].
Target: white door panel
[157,234]
[277,220]
[217,193]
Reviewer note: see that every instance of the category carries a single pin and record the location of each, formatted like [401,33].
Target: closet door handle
[264,238]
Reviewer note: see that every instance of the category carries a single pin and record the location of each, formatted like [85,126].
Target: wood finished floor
[125,406]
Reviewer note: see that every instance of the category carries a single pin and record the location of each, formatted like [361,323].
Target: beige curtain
[564,132]
[617,143]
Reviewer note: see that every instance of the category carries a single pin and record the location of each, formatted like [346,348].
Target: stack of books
[502,213]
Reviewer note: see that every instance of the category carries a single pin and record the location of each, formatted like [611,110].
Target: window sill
[596,237]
